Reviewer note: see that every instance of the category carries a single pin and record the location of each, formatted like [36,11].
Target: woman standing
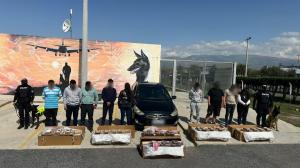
[243,106]
[230,99]
[125,103]
[195,96]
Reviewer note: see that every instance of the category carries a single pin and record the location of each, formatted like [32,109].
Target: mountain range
[255,61]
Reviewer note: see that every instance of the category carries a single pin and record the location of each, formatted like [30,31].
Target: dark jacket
[262,100]
[125,100]
[109,94]
[24,94]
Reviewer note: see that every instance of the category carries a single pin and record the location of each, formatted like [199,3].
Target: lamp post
[246,67]
[84,53]
[71,12]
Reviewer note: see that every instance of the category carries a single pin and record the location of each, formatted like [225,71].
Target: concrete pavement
[211,156]
[287,134]
[12,138]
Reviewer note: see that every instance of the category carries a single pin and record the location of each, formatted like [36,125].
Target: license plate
[158,122]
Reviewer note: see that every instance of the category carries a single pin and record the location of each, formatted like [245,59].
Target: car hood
[155,106]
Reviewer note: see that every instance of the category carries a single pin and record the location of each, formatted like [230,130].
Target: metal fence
[180,75]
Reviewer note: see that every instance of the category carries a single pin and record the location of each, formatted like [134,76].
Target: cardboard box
[146,139]
[178,137]
[192,132]
[231,128]
[55,140]
[237,133]
[131,128]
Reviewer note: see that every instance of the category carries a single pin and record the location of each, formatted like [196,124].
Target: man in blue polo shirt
[51,95]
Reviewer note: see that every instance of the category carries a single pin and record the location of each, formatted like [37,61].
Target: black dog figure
[35,115]
[140,67]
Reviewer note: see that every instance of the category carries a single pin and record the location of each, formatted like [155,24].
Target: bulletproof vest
[265,98]
[23,92]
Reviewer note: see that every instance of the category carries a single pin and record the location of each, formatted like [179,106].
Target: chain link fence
[180,75]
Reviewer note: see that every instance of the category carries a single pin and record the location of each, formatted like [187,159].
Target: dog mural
[140,67]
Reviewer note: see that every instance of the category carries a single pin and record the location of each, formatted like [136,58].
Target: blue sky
[173,23]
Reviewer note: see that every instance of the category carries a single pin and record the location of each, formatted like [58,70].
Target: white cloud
[286,45]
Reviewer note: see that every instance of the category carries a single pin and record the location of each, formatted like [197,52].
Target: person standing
[196,97]
[262,103]
[109,95]
[89,101]
[51,94]
[23,100]
[125,103]
[230,100]
[216,100]
[72,97]
[243,106]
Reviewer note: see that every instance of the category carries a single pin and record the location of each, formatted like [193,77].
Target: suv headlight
[138,111]
[174,113]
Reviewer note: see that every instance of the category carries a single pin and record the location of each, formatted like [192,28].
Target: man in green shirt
[89,100]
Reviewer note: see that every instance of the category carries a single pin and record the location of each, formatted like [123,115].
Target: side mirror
[174,97]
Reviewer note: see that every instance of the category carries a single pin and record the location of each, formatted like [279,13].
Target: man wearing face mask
[262,103]
[72,96]
[109,95]
[51,95]
[23,99]
[89,101]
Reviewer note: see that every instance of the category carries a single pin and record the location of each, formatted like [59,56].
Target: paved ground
[225,156]
[287,134]
[11,138]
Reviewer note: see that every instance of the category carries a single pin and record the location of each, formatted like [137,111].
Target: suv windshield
[152,92]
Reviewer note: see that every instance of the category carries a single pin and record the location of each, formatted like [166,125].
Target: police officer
[23,99]
[262,103]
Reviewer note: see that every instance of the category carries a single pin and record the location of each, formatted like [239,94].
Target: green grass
[289,113]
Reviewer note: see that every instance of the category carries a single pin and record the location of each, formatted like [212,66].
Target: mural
[40,59]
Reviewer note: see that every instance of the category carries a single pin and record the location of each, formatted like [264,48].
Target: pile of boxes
[52,136]
[207,132]
[249,133]
[159,142]
[116,134]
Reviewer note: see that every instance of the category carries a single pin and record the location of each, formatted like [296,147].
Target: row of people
[74,98]
[233,98]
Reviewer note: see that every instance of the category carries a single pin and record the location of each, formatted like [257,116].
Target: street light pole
[84,51]
[246,66]
[71,12]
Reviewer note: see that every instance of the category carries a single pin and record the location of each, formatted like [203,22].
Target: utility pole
[84,48]
[298,60]
[71,29]
[246,65]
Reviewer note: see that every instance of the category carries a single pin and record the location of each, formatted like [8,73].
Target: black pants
[89,110]
[51,117]
[24,110]
[110,110]
[127,111]
[229,113]
[261,115]
[242,113]
[71,109]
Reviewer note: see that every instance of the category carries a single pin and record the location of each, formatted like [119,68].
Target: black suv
[154,105]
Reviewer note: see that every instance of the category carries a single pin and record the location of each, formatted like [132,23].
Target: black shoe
[26,127]
[20,126]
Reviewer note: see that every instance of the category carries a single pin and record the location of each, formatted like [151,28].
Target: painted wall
[40,59]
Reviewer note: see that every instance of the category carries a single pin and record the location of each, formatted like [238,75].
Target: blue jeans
[229,113]
[128,113]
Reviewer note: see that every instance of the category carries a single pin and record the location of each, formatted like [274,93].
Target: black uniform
[23,96]
[262,103]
